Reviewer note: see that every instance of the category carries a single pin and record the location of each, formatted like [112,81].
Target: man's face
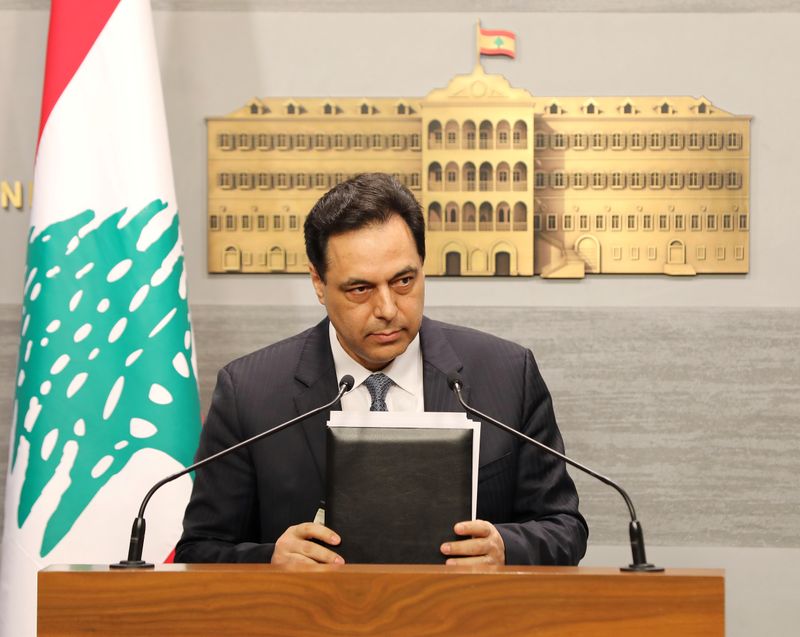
[374,291]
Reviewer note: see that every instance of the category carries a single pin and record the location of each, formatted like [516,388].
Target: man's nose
[385,306]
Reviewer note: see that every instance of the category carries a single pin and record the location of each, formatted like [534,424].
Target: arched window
[503,176]
[468,216]
[503,135]
[451,176]
[485,135]
[468,135]
[468,176]
[485,216]
[628,108]
[451,216]
[554,109]
[665,108]
[365,109]
[590,109]
[435,176]
[435,216]
[520,216]
[503,216]
[451,134]
[520,176]
[434,134]
[520,134]
[486,178]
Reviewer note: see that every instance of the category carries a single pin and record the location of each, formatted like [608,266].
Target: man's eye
[406,280]
[360,289]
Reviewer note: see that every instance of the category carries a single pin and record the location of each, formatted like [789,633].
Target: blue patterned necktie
[378,385]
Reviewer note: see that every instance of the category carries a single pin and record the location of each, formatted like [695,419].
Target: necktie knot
[378,385]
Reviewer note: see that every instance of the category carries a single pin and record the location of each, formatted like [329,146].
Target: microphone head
[347,382]
[454,381]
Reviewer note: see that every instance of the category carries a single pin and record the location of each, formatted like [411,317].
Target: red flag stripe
[74,27]
[508,34]
[506,52]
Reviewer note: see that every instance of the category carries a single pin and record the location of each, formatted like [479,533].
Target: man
[365,241]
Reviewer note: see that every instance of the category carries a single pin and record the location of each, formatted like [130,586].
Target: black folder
[393,494]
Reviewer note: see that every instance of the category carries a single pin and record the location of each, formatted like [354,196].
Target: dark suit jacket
[242,503]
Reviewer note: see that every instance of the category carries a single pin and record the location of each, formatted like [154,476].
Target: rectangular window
[301,180]
[358,142]
[584,222]
[246,181]
[247,258]
[261,222]
[414,141]
[636,180]
[663,222]
[714,180]
[631,223]
[282,142]
[656,141]
[711,222]
[618,141]
[680,222]
[733,180]
[552,222]
[282,180]
[398,141]
[559,141]
[340,141]
[727,221]
[733,141]
[263,141]
[598,141]
[414,180]
[539,180]
[695,141]
[302,142]
[264,181]
[213,222]
[598,180]
[558,180]
[738,253]
[656,180]
[617,251]
[675,180]
[225,180]
[743,222]
[321,142]
[615,222]
[320,180]
[579,180]
[695,181]
[292,222]
[720,253]
[647,222]
[246,222]
[579,141]
[244,142]
[540,141]
[695,222]
[376,142]
[637,141]
[599,222]
[617,180]
[451,138]
[714,141]
[568,222]
[537,222]
[230,222]
[701,253]
[634,254]
[277,222]
[652,253]
[675,141]
[225,141]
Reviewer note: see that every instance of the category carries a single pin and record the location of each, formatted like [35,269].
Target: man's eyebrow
[356,282]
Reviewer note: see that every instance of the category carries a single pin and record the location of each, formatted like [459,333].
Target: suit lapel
[316,381]
[439,359]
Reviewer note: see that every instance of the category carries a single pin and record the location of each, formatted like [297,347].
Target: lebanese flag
[497,42]
[106,399]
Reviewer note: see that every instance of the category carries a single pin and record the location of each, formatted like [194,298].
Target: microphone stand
[137,532]
[640,563]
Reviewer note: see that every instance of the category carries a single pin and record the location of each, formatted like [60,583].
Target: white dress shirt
[405,371]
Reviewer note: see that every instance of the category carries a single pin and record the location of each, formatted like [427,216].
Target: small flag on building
[495,42]
[106,391]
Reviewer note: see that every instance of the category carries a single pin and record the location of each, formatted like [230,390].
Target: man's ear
[318,283]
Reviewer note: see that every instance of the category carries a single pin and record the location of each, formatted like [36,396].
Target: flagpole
[478,42]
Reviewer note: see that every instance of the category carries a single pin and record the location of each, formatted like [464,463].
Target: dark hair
[363,200]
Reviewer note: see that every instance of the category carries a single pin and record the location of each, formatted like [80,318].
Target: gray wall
[685,390]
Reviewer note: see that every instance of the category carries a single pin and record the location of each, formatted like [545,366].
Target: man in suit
[365,241]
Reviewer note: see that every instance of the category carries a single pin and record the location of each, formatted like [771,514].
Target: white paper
[417,420]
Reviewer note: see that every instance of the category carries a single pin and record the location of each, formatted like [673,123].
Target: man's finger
[318,553]
[309,530]
[475,546]
[476,528]
[466,561]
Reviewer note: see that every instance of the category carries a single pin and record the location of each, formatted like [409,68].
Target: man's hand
[295,545]
[484,547]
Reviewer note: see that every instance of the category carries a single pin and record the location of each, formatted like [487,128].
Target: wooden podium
[261,599]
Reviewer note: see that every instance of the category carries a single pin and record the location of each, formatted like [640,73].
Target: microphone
[640,563]
[137,532]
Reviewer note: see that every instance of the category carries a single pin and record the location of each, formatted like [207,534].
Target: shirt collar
[404,371]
